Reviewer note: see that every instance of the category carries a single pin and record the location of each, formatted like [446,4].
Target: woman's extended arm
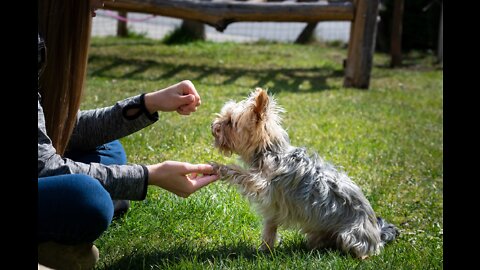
[99,126]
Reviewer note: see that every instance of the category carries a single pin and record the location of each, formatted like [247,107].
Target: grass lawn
[389,139]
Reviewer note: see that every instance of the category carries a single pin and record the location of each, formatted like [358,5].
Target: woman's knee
[113,153]
[79,203]
[97,204]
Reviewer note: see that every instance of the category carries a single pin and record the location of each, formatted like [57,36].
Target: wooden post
[396,36]
[122,30]
[361,46]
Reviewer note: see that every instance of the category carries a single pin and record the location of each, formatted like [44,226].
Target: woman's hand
[180,178]
[181,97]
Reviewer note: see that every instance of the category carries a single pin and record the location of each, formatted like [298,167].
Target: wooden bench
[362,13]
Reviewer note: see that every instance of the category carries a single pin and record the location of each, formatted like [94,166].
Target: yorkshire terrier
[292,188]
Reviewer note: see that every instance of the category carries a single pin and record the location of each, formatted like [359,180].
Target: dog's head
[248,126]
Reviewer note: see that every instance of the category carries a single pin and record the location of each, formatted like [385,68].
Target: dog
[292,188]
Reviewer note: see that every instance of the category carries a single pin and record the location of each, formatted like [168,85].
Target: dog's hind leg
[318,240]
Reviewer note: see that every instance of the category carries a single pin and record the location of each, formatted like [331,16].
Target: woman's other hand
[181,97]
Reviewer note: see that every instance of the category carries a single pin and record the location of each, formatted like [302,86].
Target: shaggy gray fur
[292,188]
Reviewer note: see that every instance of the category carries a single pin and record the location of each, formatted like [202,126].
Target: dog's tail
[388,231]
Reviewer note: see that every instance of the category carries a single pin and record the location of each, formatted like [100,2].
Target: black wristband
[141,110]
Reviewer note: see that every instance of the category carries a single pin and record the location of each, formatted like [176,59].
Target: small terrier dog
[292,188]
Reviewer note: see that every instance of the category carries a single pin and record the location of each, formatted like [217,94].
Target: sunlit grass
[389,139]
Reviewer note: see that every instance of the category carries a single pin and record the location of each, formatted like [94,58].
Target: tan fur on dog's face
[245,126]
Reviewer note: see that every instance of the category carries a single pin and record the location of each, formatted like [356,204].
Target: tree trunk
[440,40]
[396,37]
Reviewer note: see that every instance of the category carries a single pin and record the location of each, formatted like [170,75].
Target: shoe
[42,267]
[59,256]
[120,208]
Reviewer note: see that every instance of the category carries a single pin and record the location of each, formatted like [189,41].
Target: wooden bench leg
[361,46]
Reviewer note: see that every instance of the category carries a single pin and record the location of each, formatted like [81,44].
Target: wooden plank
[361,44]
[396,36]
[221,14]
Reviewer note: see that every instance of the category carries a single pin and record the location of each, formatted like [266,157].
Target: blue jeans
[75,208]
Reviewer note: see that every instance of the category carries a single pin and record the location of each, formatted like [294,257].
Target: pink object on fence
[114,15]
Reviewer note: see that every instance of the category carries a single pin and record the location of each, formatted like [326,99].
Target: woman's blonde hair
[65,25]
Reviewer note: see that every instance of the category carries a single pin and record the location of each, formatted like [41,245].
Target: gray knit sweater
[94,128]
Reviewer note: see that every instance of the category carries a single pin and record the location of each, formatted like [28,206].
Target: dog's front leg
[251,184]
[269,235]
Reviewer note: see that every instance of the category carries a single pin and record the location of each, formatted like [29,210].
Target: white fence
[105,24]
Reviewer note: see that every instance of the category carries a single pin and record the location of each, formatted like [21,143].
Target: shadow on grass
[118,41]
[183,254]
[276,78]
[415,60]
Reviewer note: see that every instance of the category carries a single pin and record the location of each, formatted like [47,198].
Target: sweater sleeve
[121,181]
[100,126]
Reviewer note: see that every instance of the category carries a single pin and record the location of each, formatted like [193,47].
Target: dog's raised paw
[215,166]
[220,170]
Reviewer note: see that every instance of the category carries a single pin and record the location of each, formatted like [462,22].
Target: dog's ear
[261,103]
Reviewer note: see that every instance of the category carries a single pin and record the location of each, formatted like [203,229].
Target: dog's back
[309,193]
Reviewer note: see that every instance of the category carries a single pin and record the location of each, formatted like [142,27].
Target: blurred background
[420,27]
